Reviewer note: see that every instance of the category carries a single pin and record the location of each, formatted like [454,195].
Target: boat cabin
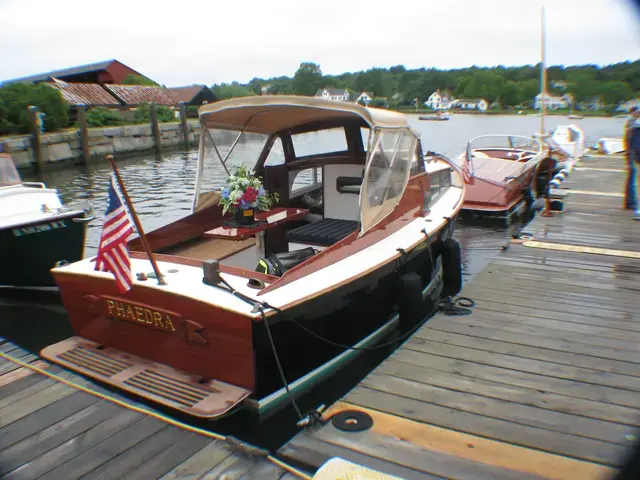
[340,170]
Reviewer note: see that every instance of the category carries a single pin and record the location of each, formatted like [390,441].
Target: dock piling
[36,131]
[83,132]
[183,124]
[157,140]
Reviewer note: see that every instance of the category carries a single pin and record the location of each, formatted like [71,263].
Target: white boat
[36,230]
[569,139]
[610,146]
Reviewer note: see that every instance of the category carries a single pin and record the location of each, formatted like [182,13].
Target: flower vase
[245,217]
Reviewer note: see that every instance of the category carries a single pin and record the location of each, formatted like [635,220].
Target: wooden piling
[36,144]
[183,123]
[83,132]
[155,128]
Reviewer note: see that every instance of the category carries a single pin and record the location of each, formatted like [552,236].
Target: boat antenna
[143,237]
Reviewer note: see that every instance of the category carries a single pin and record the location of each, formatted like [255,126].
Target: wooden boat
[36,230]
[360,214]
[499,172]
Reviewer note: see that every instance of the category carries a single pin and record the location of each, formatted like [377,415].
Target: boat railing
[34,184]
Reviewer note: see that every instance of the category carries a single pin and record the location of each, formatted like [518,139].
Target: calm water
[162,191]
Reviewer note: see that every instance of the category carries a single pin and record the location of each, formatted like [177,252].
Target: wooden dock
[52,430]
[541,380]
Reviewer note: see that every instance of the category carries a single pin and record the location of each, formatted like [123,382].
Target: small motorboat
[610,146]
[569,139]
[36,231]
[500,173]
[437,117]
[361,230]
[575,116]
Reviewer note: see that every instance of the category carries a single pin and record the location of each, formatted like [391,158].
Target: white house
[333,94]
[551,102]
[479,104]
[365,97]
[264,90]
[439,100]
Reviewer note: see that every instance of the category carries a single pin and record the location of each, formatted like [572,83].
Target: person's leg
[636,166]
[630,197]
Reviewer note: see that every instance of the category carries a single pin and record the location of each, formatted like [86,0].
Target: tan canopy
[271,113]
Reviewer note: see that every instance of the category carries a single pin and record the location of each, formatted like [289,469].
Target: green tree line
[508,86]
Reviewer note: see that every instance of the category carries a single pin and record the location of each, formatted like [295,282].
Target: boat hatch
[159,383]
[8,173]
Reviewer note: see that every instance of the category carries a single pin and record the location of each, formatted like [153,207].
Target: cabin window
[386,175]
[438,186]
[223,150]
[276,154]
[303,181]
[332,140]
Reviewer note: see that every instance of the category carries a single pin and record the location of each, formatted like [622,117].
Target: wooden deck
[51,430]
[542,380]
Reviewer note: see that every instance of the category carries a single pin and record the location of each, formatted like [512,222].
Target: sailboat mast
[543,72]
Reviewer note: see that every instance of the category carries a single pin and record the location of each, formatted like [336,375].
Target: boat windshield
[386,175]
[8,173]
[518,142]
[221,151]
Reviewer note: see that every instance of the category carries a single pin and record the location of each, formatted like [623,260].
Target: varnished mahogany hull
[237,350]
[485,196]
[227,354]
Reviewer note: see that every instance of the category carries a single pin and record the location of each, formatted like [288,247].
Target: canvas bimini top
[269,114]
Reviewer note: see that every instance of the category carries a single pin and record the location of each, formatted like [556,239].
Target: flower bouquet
[244,193]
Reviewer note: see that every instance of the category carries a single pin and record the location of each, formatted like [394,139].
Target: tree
[530,88]
[512,94]
[582,86]
[614,93]
[15,99]
[139,80]
[231,90]
[307,79]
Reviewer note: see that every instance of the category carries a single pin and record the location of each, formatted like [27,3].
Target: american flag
[466,170]
[113,255]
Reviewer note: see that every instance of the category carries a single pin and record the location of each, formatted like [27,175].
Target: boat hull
[204,343]
[31,249]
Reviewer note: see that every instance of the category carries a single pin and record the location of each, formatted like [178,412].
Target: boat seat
[325,232]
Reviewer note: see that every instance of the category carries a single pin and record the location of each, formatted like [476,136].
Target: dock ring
[352,421]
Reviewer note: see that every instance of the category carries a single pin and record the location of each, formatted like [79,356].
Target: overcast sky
[212,41]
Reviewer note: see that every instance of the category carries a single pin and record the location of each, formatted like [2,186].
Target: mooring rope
[232,441]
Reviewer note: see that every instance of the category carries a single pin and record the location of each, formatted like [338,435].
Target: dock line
[563,247]
[216,436]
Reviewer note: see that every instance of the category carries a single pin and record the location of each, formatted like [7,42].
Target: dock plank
[202,461]
[187,444]
[542,378]
[48,438]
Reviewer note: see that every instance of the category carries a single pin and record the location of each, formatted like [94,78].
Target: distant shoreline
[529,112]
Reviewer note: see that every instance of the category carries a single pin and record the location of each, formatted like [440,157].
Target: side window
[303,179]
[319,142]
[276,154]
[365,133]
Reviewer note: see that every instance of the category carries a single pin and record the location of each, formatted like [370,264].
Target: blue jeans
[630,194]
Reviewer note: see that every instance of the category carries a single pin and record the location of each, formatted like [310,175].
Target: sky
[212,41]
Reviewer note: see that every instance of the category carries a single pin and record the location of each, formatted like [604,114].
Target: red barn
[109,71]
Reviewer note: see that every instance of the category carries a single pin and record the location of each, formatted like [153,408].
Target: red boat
[500,172]
[362,229]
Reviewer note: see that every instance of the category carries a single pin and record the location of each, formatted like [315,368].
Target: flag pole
[136,220]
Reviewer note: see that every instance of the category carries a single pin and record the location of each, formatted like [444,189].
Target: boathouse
[109,71]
